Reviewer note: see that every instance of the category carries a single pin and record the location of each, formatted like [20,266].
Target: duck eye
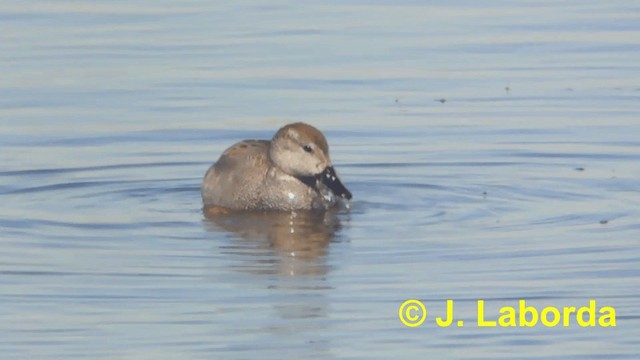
[308,148]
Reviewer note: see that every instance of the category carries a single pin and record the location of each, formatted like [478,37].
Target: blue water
[492,150]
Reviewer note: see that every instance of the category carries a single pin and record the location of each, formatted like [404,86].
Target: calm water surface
[493,152]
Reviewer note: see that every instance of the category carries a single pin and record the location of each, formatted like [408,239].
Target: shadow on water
[278,243]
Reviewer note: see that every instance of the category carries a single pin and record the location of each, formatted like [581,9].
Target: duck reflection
[283,243]
[291,249]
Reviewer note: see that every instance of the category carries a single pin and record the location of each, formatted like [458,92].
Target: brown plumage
[292,171]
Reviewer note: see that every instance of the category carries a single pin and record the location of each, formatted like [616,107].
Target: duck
[292,171]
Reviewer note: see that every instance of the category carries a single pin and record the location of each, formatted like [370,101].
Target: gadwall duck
[293,171]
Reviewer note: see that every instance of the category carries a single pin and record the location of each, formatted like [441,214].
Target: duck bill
[331,180]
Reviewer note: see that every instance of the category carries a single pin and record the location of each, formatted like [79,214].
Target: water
[522,184]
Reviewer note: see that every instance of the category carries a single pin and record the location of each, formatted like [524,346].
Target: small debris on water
[442,101]
[604,221]
[579,169]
